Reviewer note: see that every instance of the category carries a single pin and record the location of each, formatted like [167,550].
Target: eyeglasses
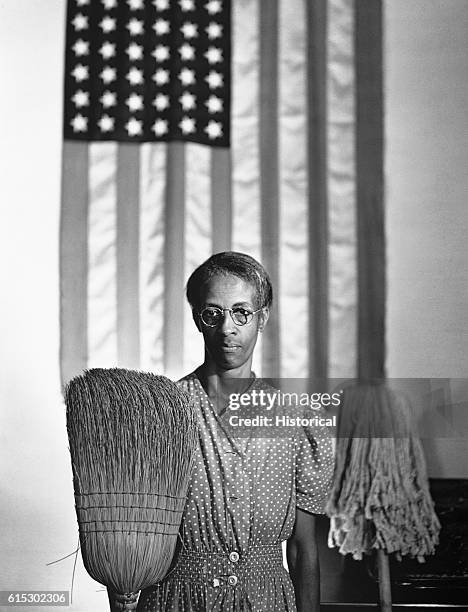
[212,316]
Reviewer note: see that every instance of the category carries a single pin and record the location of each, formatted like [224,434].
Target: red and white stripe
[138,218]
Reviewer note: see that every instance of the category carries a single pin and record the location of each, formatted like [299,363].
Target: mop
[380,499]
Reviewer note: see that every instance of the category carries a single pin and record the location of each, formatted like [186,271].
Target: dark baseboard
[369,607]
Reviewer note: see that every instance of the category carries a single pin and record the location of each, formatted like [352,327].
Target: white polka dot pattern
[242,497]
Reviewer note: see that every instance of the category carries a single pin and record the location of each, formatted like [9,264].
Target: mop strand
[380,496]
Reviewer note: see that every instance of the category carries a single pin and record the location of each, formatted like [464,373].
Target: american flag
[141,71]
[196,126]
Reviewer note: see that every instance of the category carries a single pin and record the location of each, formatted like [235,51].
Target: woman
[247,494]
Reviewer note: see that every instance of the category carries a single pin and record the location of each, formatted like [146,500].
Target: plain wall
[427,187]
[426,70]
[37,520]
[427,221]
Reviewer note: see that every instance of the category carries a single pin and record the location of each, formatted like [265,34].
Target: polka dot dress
[240,506]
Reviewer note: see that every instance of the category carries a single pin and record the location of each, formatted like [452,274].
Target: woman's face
[227,345]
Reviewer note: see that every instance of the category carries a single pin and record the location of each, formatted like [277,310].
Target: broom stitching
[129,493]
[129,521]
[149,532]
[130,508]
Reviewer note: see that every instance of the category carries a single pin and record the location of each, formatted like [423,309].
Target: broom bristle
[132,436]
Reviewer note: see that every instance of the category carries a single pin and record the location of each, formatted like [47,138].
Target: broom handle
[385,591]
[123,602]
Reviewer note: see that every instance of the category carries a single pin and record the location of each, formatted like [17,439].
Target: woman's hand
[122,602]
[303,563]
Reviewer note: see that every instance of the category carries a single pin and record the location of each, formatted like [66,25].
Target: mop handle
[385,589]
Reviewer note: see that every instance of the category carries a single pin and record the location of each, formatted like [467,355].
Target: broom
[380,496]
[132,438]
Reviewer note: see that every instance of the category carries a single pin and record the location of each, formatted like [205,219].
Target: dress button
[234,557]
[232,580]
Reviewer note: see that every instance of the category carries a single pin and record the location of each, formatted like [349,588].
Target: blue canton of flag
[148,70]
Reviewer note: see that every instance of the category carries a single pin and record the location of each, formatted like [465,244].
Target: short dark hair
[230,262]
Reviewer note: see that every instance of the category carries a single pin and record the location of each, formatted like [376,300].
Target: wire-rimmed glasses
[212,316]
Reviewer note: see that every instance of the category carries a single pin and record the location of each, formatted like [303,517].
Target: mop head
[380,496]
[132,437]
